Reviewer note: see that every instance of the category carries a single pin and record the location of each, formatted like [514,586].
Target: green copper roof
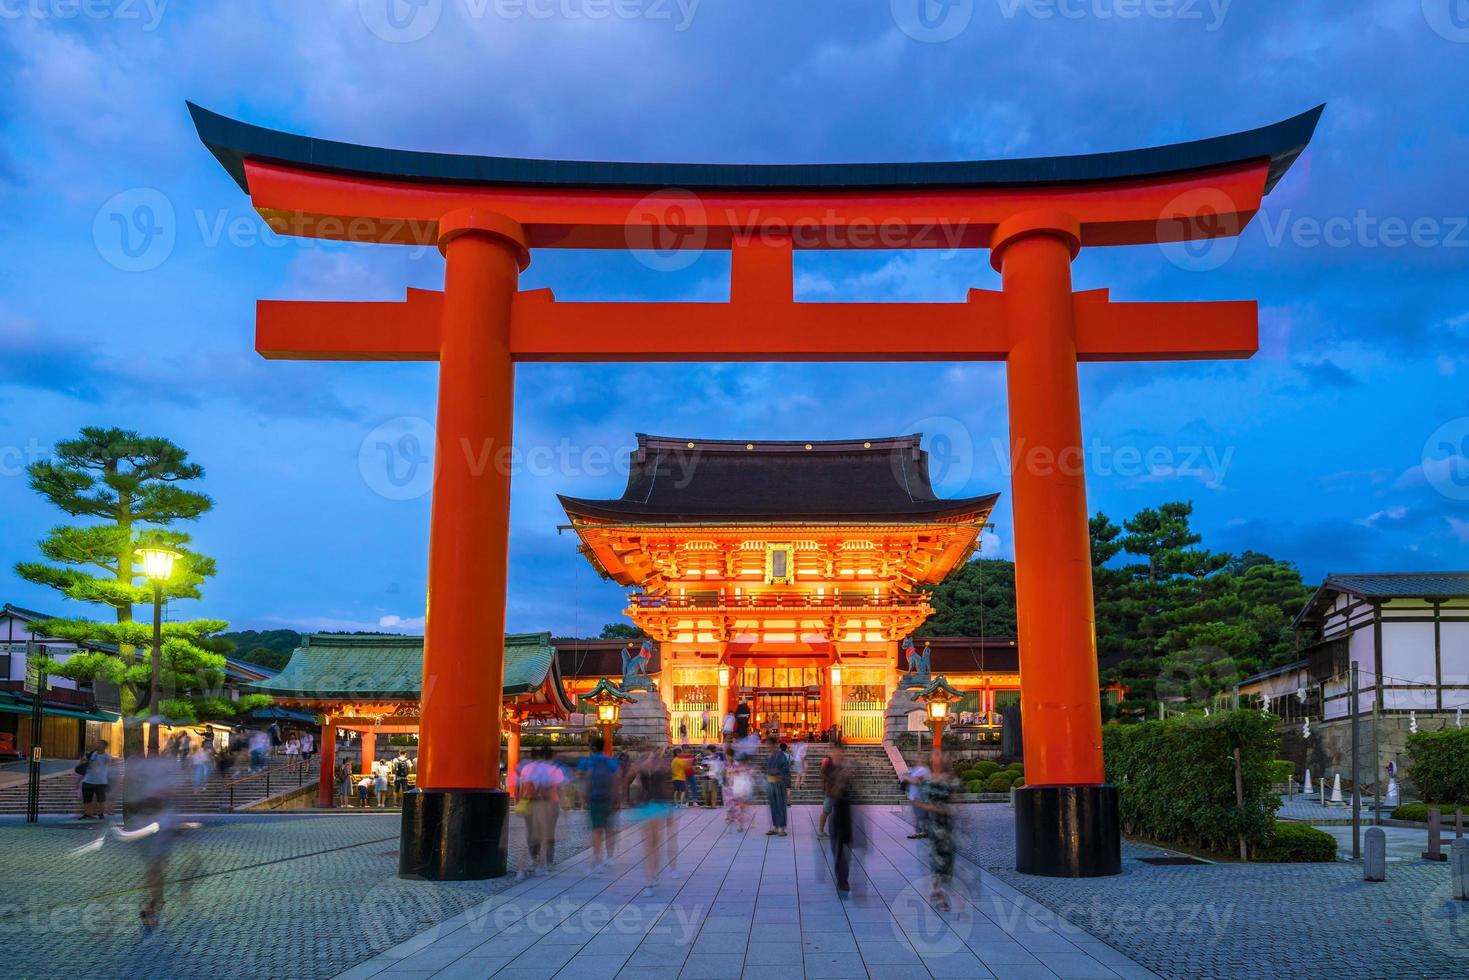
[382,665]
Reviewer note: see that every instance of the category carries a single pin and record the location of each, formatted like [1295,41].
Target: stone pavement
[271,895]
[1231,920]
[748,905]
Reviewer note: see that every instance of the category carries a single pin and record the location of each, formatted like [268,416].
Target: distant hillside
[271,648]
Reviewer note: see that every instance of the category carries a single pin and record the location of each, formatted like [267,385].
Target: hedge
[1438,764]
[999,784]
[1292,842]
[1418,812]
[1282,770]
[985,769]
[1175,778]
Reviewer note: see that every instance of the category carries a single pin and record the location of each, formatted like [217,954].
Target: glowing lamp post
[608,699]
[157,568]
[938,696]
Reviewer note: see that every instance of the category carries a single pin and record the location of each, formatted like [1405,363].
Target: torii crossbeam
[488,214]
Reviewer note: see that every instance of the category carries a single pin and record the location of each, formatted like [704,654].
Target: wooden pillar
[469,535]
[1067,820]
[369,749]
[512,753]
[326,790]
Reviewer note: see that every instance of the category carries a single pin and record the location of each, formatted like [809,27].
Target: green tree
[977,600]
[621,631]
[129,489]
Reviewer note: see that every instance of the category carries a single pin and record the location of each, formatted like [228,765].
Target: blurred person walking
[600,776]
[656,814]
[916,779]
[777,788]
[940,822]
[201,762]
[837,785]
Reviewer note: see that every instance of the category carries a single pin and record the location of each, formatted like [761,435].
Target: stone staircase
[60,793]
[874,780]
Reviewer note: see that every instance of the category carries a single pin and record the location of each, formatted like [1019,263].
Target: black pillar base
[1067,831]
[455,834]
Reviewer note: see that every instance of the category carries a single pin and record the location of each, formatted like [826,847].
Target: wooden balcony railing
[780,600]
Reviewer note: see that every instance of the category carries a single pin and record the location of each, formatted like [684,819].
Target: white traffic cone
[1308,789]
[1336,790]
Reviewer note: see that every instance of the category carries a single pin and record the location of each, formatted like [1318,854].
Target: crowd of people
[380,784]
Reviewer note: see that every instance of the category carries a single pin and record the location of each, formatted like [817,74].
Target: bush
[1175,778]
[985,769]
[1282,770]
[1016,767]
[1418,812]
[1295,842]
[1018,782]
[1438,764]
[974,786]
[999,784]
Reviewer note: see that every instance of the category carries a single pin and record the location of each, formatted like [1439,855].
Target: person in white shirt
[93,767]
[916,777]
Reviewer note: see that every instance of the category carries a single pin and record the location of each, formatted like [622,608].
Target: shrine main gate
[487,215]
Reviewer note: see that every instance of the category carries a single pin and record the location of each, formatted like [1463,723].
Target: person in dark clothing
[837,783]
[742,720]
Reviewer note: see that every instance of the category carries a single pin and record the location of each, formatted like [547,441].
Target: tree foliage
[128,490]
[1174,620]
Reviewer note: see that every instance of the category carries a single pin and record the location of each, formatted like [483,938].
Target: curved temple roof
[233,142]
[732,480]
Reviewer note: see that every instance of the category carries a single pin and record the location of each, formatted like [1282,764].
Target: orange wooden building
[785,574]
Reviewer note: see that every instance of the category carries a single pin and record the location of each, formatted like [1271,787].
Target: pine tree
[128,487]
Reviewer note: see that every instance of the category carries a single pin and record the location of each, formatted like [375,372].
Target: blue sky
[1341,446]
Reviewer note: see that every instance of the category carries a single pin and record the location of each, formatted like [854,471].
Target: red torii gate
[487,214]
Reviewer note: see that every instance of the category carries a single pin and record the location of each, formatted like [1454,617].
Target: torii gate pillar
[456,824]
[1066,817]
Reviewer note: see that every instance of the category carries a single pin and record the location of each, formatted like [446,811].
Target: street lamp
[608,699]
[938,696]
[157,567]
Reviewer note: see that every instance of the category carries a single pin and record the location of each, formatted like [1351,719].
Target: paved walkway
[748,905]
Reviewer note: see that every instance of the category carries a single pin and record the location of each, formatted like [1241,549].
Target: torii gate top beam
[326,189]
